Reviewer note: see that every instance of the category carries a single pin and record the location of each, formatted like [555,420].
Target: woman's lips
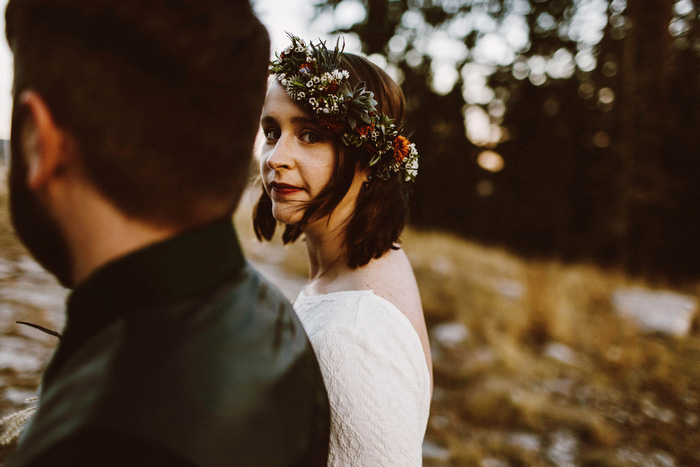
[283,189]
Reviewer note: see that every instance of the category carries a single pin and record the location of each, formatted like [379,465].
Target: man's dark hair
[162,99]
[381,212]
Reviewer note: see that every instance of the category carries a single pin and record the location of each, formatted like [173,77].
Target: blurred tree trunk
[647,66]
[584,177]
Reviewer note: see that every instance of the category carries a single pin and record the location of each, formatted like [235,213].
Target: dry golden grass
[499,395]
[9,246]
[624,394]
[515,309]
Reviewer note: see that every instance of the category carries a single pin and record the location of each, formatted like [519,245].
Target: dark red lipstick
[283,189]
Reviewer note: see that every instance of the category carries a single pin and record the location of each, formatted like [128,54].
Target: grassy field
[550,373]
[532,364]
[546,373]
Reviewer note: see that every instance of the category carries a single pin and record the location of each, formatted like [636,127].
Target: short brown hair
[382,205]
[162,99]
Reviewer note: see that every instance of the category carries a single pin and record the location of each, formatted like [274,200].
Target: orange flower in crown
[331,125]
[402,148]
[364,130]
[332,88]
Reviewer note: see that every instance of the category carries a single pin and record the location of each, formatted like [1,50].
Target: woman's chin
[287,216]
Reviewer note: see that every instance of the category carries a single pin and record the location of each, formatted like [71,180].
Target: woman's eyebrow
[296,120]
[300,119]
[267,120]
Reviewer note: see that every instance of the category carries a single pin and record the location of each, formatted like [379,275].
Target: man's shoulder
[214,375]
[225,352]
[244,329]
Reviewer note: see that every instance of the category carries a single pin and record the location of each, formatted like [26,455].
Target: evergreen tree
[598,109]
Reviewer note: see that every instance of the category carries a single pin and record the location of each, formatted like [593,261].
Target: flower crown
[312,76]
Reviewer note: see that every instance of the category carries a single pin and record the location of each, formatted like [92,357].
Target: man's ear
[43,143]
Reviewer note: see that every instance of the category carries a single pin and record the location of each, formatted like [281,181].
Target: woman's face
[298,158]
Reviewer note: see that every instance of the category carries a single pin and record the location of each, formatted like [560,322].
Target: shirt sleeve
[377,394]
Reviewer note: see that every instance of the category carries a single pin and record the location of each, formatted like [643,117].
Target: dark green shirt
[180,354]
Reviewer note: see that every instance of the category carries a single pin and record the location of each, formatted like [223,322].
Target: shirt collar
[179,267]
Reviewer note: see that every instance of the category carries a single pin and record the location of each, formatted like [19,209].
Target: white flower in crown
[346,111]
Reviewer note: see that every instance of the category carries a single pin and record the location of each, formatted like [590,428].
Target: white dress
[376,375]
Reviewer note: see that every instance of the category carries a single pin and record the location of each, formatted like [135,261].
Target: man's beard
[34,225]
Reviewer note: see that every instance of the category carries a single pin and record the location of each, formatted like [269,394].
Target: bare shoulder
[391,277]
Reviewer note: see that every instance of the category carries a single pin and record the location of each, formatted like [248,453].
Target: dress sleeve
[377,394]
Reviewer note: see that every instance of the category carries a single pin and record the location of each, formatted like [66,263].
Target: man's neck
[107,241]
[97,232]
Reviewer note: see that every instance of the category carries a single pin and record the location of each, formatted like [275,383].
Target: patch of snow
[28,265]
[450,334]
[563,449]
[525,441]
[20,355]
[493,462]
[40,296]
[443,266]
[439,422]
[433,452]
[19,396]
[664,459]
[656,310]
[564,354]
[7,268]
[510,288]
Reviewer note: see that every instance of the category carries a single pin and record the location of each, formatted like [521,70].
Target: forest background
[553,233]
[559,146]
[561,128]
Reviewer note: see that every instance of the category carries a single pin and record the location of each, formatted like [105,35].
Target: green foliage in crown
[312,76]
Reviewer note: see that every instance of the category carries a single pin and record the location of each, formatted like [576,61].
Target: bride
[336,168]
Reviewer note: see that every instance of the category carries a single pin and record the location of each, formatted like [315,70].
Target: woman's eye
[311,137]
[272,134]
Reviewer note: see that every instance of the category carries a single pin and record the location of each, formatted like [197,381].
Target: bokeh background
[554,227]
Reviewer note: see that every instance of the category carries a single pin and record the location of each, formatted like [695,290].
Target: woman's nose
[281,155]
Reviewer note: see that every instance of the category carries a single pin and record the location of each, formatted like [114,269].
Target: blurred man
[133,126]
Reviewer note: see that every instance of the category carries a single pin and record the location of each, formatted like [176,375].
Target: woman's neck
[325,250]
[325,240]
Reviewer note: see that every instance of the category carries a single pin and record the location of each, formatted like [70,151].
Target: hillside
[533,364]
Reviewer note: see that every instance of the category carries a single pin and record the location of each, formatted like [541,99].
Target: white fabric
[376,375]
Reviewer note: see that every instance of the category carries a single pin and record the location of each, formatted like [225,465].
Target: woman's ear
[42,141]
[364,173]
[366,177]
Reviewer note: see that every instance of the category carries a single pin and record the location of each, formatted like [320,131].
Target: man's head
[160,99]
